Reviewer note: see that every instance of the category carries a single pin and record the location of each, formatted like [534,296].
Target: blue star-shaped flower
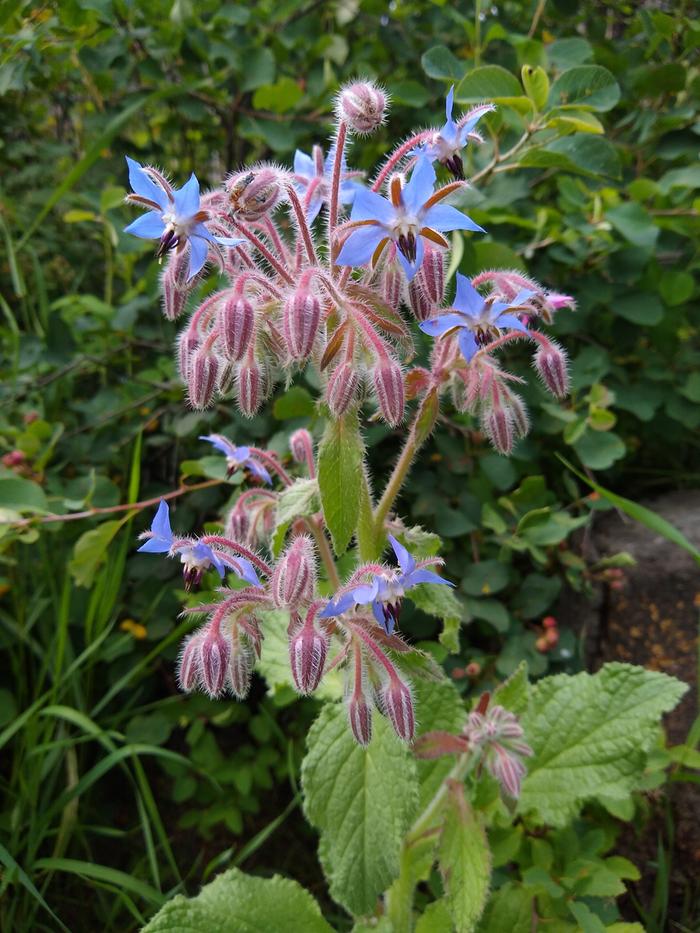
[479,320]
[446,145]
[174,217]
[385,591]
[195,557]
[237,458]
[315,170]
[413,213]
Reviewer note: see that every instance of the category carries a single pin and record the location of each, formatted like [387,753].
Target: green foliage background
[115,786]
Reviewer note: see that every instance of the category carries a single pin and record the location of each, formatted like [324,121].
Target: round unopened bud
[300,319]
[187,343]
[249,387]
[308,649]
[473,669]
[362,106]
[215,651]
[188,668]
[341,390]
[294,577]
[552,366]
[498,426]
[389,390]
[549,622]
[360,719]
[202,378]
[253,194]
[236,321]
[301,445]
[175,285]
[397,704]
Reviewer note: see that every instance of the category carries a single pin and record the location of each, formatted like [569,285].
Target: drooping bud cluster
[498,736]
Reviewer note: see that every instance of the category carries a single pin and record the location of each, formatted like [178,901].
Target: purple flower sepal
[174,216]
[385,591]
[479,320]
[412,215]
[195,557]
[237,458]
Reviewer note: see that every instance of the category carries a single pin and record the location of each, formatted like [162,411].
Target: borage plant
[399,776]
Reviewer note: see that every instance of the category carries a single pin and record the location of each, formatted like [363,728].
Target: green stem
[324,550]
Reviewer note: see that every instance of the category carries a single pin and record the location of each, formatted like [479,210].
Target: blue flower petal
[360,245]
[161,522]
[443,217]
[467,344]
[410,268]
[229,241]
[155,546]
[525,295]
[365,592]
[246,572]
[406,562]
[425,576]
[314,207]
[258,470]
[387,623]
[449,103]
[187,198]
[420,185]
[148,226]
[220,443]
[337,607]
[467,300]
[438,326]
[142,184]
[304,165]
[198,255]
[511,321]
[368,205]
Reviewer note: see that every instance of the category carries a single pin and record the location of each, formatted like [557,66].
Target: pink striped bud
[427,290]
[300,320]
[519,415]
[254,193]
[362,106]
[308,649]
[552,366]
[421,304]
[389,390]
[175,286]
[302,446]
[237,525]
[249,387]
[498,425]
[187,343]
[215,652]
[188,668]
[202,376]
[360,719]
[397,704]
[392,286]
[240,669]
[341,390]
[227,378]
[236,321]
[294,577]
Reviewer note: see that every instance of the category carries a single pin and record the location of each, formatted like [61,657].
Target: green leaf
[536,84]
[278,97]
[464,858]
[102,873]
[492,83]
[640,308]
[340,478]
[436,918]
[639,513]
[238,903]
[439,62]
[565,53]
[90,551]
[362,802]
[438,707]
[599,451]
[590,735]
[634,223]
[21,495]
[676,286]
[584,86]
[509,909]
[485,578]
[580,121]
[299,500]
[297,402]
[441,601]
[514,693]
[581,153]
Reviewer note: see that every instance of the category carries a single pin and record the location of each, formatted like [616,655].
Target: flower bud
[236,321]
[249,387]
[341,390]
[362,106]
[519,415]
[188,669]
[187,343]
[294,577]
[307,656]
[301,445]
[427,289]
[498,425]
[397,703]
[253,194]
[552,366]
[237,525]
[360,719]
[215,652]
[175,286]
[240,669]
[392,286]
[227,379]
[202,376]
[389,390]
[300,320]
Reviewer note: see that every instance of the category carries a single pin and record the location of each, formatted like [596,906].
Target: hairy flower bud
[236,322]
[253,194]
[362,106]
[188,669]
[202,377]
[175,285]
[215,651]
[249,387]
[294,577]
[552,367]
[300,319]
[426,291]
[519,415]
[308,649]
[360,719]
[397,704]
[341,390]
[237,525]
[392,286]
[187,343]
[498,735]
[240,669]
[389,390]
[302,446]
[498,425]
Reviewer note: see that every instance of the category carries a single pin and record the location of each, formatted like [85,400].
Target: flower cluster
[315,266]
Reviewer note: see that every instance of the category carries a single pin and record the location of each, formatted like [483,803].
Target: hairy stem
[324,550]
